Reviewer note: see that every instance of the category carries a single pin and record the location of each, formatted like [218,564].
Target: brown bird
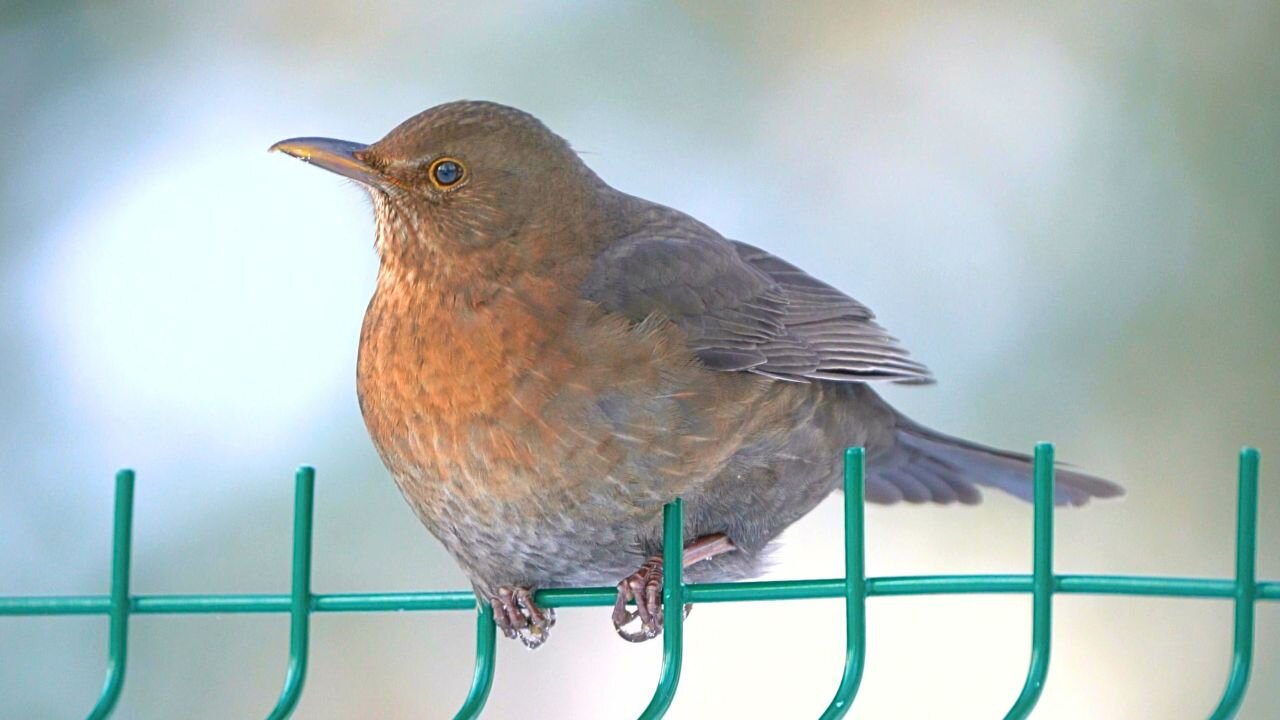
[546,361]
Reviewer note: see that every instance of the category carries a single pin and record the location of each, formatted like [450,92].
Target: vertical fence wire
[1246,586]
[300,594]
[855,585]
[482,678]
[121,553]
[673,610]
[1041,585]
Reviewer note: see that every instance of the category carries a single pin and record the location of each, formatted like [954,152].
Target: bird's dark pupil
[448,172]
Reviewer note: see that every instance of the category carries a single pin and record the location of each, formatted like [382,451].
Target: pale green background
[1070,213]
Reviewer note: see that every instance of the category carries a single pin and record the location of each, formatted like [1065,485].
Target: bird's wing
[743,309]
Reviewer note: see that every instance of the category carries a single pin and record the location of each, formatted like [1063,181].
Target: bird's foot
[518,617]
[644,588]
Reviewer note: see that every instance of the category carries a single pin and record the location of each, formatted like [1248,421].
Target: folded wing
[744,309]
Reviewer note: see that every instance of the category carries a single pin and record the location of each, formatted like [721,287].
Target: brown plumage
[546,361]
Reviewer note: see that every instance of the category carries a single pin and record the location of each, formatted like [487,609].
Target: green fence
[854,588]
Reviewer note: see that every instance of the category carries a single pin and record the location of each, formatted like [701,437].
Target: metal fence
[1042,584]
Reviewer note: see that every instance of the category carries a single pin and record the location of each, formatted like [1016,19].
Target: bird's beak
[338,156]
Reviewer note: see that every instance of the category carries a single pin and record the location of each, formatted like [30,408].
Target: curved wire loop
[1042,581]
[300,595]
[121,553]
[673,615]
[1246,586]
[482,679]
[855,585]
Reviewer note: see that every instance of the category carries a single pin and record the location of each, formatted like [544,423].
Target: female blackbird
[546,361]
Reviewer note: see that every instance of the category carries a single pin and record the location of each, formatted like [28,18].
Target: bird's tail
[924,465]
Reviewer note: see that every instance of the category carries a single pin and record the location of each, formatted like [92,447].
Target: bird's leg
[644,587]
[516,615]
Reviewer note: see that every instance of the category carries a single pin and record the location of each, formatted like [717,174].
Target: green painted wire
[121,552]
[119,605]
[762,591]
[1042,586]
[1245,586]
[482,678]
[855,585]
[672,610]
[300,596]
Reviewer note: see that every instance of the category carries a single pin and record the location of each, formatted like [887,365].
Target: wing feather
[743,309]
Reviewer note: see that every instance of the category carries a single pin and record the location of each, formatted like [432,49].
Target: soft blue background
[1070,213]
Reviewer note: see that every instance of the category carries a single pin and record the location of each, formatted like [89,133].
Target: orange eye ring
[447,173]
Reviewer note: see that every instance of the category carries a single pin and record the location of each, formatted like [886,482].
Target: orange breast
[434,372]
[534,399]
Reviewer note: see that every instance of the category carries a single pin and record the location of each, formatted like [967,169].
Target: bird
[547,361]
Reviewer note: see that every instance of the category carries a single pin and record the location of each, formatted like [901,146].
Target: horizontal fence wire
[854,588]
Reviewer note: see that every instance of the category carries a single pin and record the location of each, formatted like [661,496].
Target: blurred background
[1071,214]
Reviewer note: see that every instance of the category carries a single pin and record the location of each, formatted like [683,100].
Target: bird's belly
[557,497]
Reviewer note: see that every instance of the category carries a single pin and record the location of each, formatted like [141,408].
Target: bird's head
[474,182]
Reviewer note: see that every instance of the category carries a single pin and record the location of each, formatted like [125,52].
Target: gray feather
[743,309]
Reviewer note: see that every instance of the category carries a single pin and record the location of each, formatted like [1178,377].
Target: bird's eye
[446,172]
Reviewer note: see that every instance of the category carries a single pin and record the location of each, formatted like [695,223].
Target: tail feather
[928,466]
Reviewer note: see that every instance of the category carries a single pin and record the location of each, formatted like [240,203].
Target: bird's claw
[518,617]
[644,588]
